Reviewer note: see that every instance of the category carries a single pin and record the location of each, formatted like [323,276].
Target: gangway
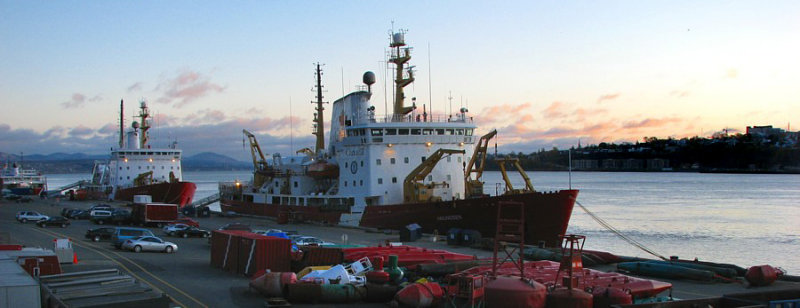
[56,192]
[205,201]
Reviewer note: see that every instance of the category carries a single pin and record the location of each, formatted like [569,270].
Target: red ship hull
[547,214]
[180,193]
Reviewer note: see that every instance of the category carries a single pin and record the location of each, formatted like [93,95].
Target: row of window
[148,153]
[148,168]
[410,131]
[392,161]
[128,177]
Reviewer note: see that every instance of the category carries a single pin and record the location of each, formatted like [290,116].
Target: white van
[100,216]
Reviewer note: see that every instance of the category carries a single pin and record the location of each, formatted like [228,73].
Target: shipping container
[35,261]
[225,249]
[157,214]
[260,252]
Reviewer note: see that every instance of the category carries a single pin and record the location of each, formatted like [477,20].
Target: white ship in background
[135,168]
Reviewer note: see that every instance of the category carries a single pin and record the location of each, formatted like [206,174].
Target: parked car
[100,216]
[186,221]
[122,234]
[25,216]
[310,240]
[24,199]
[66,210]
[98,234]
[236,226]
[149,243]
[13,197]
[193,232]
[104,207]
[78,214]
[53,221]
[120,217]
[170,229]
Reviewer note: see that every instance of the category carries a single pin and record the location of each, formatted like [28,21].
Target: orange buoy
[762,275]
[605,297]
[273,284]
[569,298]
[427,294]
[511,291]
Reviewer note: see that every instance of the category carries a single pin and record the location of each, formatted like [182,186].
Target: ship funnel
[369,79]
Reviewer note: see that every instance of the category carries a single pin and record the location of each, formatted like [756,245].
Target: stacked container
[243,252]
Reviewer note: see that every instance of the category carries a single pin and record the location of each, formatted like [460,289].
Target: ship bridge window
[415,131]
[362,132]
[405,160]
[402,131]
[448,131]
[394,179]
[440,131]
[380,181]
[391,131]
[460,131]
[427,131]
[376,132]
[469,132]
[378,162]
[391,160]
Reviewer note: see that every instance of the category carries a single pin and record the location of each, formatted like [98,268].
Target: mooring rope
[618,233]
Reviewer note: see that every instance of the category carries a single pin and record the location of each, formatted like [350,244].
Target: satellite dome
[135,124]
[369,78]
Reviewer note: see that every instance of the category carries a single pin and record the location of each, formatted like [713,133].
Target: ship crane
[474,187]
[261,170]
[510,190]
[414,190]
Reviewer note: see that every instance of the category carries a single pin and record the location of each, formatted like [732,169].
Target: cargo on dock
[100,288]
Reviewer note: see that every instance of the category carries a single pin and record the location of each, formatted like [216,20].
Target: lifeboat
[323,170]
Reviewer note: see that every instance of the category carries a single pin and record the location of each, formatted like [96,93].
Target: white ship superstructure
[135,163]
[368,158]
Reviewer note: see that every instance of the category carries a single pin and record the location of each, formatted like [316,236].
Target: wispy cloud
[679,93]
[185,88]
[650,122]
[78,100]
[607,97]
[135,87]
[732,73]
[555,110]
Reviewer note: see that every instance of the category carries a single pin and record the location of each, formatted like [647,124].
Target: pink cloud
[677,93]
[78,100]
[607,97]
[555,110]
[185,88]
[649,122]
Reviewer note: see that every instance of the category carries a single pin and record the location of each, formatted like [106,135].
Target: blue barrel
[454,236]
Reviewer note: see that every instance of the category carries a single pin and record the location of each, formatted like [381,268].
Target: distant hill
[213,161]
[82,163]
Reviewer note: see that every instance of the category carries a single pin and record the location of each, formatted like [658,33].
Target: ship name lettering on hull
[449,217]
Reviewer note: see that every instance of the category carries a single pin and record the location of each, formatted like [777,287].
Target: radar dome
[135,124]
[369,78]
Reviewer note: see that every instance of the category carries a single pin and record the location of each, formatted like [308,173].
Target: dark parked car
[120,217]
[13,197]
[53,221]
[236,226]
[104,207]
[98,234]
[78,214]
[65,211]
[193,232]
[25,199]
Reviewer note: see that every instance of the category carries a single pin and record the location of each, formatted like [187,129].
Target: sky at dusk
[544,73]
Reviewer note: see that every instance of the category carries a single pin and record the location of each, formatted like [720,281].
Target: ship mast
[400,56]
[319,119]
[144,113]
[121,125]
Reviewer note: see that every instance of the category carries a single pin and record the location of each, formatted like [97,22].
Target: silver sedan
[149,243]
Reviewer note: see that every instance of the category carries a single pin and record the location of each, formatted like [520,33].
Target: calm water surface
[733,218]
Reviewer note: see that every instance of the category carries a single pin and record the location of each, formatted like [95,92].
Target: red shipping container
[225,249]
[313,256]
[258,252]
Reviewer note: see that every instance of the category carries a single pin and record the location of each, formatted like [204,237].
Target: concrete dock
[187,277]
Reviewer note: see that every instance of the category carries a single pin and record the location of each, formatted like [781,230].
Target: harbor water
[744,219]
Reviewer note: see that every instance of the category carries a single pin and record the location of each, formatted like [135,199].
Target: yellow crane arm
[416,176]
[476,164]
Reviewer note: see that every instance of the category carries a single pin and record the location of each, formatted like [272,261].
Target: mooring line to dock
[619,233]
[98,251]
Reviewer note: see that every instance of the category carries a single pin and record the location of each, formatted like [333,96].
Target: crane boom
[261,169]
[474,187]
[413,188]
